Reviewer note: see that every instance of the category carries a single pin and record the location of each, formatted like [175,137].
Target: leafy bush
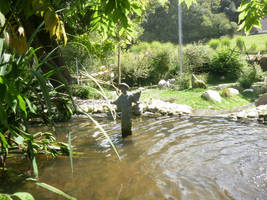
[198,57]
[147,63]
[86,92]
[135,69]
[184,81]
[159,66]
[227,63]
[226,41]
[250,75]
[214,43]
[240,43]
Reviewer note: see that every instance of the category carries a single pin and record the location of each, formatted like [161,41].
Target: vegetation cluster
[43,42]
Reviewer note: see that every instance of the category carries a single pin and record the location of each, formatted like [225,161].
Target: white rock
[171,81]
[248,90]
[212,95]
[162,83]
[163,107]
[229,92]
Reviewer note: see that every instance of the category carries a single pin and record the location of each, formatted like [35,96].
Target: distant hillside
[202,21]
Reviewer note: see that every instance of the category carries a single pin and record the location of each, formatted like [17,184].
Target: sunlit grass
[253,43]
[192,97]
[259,40]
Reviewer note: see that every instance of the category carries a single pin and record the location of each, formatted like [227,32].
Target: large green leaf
[45,92]
[2,17]
[5,197]
[23,196]
[31,106]
[22,104]
[4,142]
[52,189]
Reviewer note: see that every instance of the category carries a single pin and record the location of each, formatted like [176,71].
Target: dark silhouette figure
[125,104]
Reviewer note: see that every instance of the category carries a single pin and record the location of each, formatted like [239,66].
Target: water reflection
[166,158]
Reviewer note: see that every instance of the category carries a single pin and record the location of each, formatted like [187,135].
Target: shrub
[226,41]
[85,92]
[147,63]
[198,57]
[135,69]
[228,63]
[159,66]
[214,43]
[250,75]
[184,81]
[240,43]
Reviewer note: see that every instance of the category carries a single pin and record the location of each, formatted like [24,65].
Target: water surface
[166,158]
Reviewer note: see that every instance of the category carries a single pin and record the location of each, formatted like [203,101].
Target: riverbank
[156,107]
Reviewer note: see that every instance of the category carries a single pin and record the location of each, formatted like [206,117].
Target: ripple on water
[166,158]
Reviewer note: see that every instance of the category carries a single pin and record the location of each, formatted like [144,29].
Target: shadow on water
[166,158]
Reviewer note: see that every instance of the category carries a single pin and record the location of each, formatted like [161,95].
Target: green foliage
[240,43]
[227,63]
[214,43]
[26,94]
[251,12]
[17,195]
[147,63]
[89,51]
[159,66]
[225,42]
[229,8]
[184,81]
[135,69]
[200,22]
[251,74]
[197,57]
[52,189]
[85,92]
[192,97]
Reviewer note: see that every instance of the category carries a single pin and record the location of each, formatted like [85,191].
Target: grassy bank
[192,97]
[253,43]
[258,42]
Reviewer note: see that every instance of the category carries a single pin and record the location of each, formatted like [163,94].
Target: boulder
[212,95]
[250,90]
[171,81]
[263,63]
[229,92]
[168,83]
[166,108]
[162,83]
[262,100]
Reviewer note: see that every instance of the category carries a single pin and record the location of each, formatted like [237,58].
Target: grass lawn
[259,40]
[192,97]
[253,43]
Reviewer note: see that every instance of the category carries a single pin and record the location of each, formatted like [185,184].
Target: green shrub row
[146,63]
